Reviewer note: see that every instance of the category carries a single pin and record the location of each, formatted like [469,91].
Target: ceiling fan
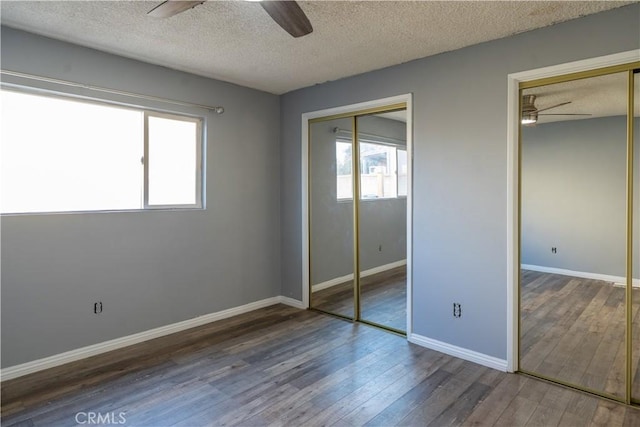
[287,14]
[530,113]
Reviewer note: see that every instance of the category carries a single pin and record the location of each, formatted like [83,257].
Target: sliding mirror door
[331,217]
[382,222]
[573,233]
[635,365]
[358,186]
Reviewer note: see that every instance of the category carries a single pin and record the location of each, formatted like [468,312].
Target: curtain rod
[216,109]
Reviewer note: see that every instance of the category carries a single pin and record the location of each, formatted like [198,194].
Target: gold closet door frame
[630,69]
[355,168]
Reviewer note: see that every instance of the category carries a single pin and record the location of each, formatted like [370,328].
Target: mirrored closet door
[331,222]
[635,263]
[577,244]
[383,218]
[358,185]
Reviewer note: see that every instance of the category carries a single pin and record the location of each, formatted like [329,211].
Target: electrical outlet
[554,250]
[97,307]
[457,310]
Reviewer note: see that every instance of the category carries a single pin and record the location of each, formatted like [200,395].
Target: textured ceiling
[598,96]
[236,41]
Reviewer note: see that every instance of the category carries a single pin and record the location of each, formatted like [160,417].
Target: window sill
[164,209]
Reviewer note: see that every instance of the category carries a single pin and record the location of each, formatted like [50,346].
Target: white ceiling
[236,41]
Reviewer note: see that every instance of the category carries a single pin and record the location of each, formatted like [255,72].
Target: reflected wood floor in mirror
[573,329]
[383,300]
[282,366]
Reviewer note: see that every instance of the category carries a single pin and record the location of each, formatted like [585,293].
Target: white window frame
[198,168]
[147,112]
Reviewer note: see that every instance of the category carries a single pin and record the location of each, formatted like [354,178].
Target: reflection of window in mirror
[383,167]
[343,170]
[402,172]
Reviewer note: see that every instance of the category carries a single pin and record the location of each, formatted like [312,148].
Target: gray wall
[382,222]
[148,268]
[574,195]
[460,167]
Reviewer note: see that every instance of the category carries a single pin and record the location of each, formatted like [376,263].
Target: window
[172,150]
[64,155]
[383,170]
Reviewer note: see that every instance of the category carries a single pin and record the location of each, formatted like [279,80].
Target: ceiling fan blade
[172,7]
[554,106]
[289,16]
[564,114]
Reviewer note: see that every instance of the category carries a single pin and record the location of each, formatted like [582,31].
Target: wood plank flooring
[280,366]
[383,298]
[573,329]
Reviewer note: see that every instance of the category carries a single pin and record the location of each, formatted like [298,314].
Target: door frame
[354,108]
[513,171]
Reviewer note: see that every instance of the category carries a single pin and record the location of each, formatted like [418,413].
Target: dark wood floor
[573,329]
[383,299]
[281,366]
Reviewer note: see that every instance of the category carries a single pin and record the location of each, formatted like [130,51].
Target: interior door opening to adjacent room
[358,198]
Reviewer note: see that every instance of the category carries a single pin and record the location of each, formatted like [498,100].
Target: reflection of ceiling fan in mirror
[287,14]
[530,113]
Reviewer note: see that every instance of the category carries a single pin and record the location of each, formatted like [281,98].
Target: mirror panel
[383,218]
[331,218]
[573,233]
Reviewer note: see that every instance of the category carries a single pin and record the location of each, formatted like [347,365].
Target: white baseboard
[581,274]
[462,353]
[333,282]
[370,272]
[292,302]
[103,347]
